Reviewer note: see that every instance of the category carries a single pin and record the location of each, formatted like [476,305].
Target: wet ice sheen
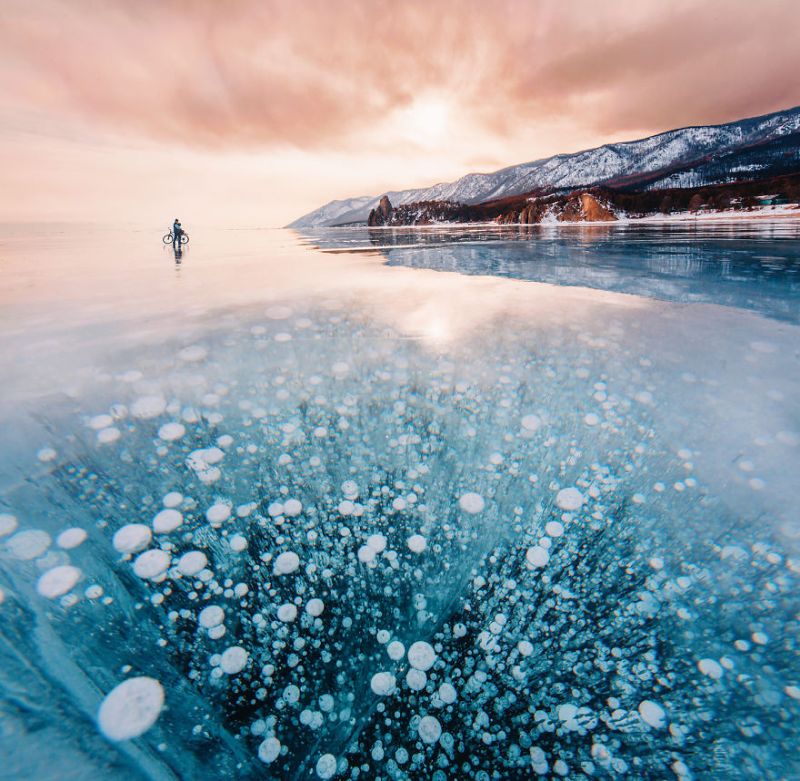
[297,559]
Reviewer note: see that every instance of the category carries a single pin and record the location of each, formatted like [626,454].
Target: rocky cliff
[598,204]
[749,149]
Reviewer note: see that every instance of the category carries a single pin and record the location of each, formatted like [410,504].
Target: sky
[253,112]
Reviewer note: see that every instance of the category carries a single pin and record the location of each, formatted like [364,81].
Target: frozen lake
[442,504]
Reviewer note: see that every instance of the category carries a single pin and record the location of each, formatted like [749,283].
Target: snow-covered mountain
[658,159]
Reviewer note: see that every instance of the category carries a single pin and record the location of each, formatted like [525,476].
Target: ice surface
[416,559]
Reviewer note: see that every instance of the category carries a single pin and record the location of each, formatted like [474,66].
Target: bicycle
[168,238]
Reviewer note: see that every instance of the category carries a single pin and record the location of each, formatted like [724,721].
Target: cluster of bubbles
[387,563]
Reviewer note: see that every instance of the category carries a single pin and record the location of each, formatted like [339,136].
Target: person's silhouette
[177,231]
[178,250]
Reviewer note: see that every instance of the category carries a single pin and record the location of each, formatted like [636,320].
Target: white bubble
[326,766]
[377,542]
[193,353]
[169,432]
[269,750]
[148,407]
[29,544]
[416,680]
[315,607]
[421,655]
[287,613]
[350,489]
[292,507]
[416,543]
[233,660]
[192,562]
[396,650]
[71,538]
[132,538]
[447,693]
[100,421]
[152,564]
[554,528]
[211,616]
[471,502]
[531,422]
[710,668]
[167,521]
[569,499]
[58,581]
[286,563]
[652,714]
[590,419]
[108,435]
[8,523]
[172,499]
[46,454]
[429,729]
[366,554]
[383,683]
[537,556]
[131,708]
[218,513]
[525,648]
[238,543]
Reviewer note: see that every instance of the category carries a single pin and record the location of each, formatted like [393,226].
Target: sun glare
[425,121]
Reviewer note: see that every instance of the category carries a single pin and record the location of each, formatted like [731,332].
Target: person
[177,230]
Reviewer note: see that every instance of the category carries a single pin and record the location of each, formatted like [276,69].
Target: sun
[426,121]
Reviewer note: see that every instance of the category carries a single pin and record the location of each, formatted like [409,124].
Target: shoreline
[767,214]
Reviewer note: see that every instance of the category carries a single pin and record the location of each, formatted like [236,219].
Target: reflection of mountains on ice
[670,264]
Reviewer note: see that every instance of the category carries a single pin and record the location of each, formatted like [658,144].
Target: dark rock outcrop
[420,213]
[382,214]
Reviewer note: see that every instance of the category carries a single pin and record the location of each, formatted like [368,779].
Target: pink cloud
[311,74]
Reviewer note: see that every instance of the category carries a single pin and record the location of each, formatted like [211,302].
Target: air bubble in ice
[169,432]
[429,729]
[569,499]
[71,538]
[416,543]
[131,708]
[383,683]
[132,538]
[233,660]
[58,581]
[286,563]
[29,544]
[167,521]
[421,655]
[471,502]
[151,564]
[192,562]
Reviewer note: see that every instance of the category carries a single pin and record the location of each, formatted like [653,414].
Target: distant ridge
[687,157]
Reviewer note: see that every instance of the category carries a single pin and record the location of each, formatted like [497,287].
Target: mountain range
[747,150]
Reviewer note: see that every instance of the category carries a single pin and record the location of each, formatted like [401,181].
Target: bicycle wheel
[184,238]
[166,238]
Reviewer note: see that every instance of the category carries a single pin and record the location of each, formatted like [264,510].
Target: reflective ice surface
[277,512]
